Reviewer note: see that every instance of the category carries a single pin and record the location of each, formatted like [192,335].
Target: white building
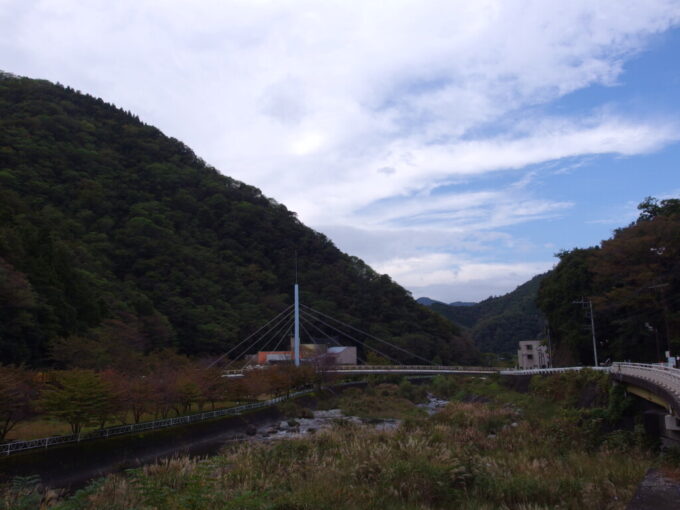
[343,355]
[531,354]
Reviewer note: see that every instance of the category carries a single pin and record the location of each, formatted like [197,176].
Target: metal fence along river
[47,442]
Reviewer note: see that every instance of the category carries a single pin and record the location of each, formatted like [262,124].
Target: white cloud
[445,276]
[357,114]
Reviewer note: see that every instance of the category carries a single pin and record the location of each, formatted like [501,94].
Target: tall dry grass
[469,456]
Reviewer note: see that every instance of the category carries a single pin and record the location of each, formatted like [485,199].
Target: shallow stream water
[80,472]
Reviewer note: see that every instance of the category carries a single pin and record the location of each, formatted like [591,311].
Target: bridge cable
[287,331]
[330,338]
[282,318]
[394,346]
[429,362]
[323,333]
[284,327]
[343,333]
[248,338]
[302,326]
[355,340]
[274,328]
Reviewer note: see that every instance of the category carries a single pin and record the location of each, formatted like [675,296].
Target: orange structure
[263,357]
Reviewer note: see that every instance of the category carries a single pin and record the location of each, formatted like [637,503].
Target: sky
[456,146]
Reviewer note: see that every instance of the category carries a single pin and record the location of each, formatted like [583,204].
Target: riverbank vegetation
[633,282]
[40,404]
[489,448]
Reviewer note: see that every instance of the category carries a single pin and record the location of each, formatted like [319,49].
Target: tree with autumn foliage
[136,394]
[78,397]
[189,389]
[18,391]
[255,383]
[213,386]
[633,281]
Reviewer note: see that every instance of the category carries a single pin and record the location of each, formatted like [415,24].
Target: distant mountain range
[497,323]
[429,302]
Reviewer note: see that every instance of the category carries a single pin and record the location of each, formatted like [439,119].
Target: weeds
[469,456]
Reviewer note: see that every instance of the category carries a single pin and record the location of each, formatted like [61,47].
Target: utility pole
[550,360]
[583,302]
[661,287]
[296,341]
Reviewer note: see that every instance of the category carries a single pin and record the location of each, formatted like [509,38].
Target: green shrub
[583,388]
[444,386]
[414,393]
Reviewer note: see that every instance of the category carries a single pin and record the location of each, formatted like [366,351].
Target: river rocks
[387,424]
[433,404]
[319,420]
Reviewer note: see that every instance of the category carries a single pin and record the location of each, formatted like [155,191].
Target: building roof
[338,350]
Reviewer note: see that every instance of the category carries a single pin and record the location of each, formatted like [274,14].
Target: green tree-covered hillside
[497,324]
[633,282]
[112,234]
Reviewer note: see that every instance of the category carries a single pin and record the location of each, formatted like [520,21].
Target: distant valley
[497,323]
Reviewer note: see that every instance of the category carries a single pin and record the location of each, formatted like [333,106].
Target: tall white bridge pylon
[318,327]
[662,384]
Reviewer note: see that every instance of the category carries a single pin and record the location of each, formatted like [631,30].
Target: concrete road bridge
[654,382]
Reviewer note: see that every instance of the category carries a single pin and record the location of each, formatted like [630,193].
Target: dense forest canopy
[115,239]
[633,282]
[497,324]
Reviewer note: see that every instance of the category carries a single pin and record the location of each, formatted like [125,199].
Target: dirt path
[656,492]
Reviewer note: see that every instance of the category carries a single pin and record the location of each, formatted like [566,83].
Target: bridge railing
[659,375]
[385,368]
[547,371]
[401,368]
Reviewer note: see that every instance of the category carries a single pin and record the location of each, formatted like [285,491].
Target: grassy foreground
[519,452]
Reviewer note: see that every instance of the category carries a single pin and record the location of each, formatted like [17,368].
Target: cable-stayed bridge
[654,382]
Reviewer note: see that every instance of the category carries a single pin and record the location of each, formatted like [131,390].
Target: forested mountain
[633,281]
[114,236]
[498,323]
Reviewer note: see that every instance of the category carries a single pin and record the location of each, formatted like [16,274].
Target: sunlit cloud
[422,125]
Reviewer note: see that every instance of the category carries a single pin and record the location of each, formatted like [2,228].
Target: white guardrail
[658,375]
[547,371]
[46,442]
[425,369]
[385,368]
